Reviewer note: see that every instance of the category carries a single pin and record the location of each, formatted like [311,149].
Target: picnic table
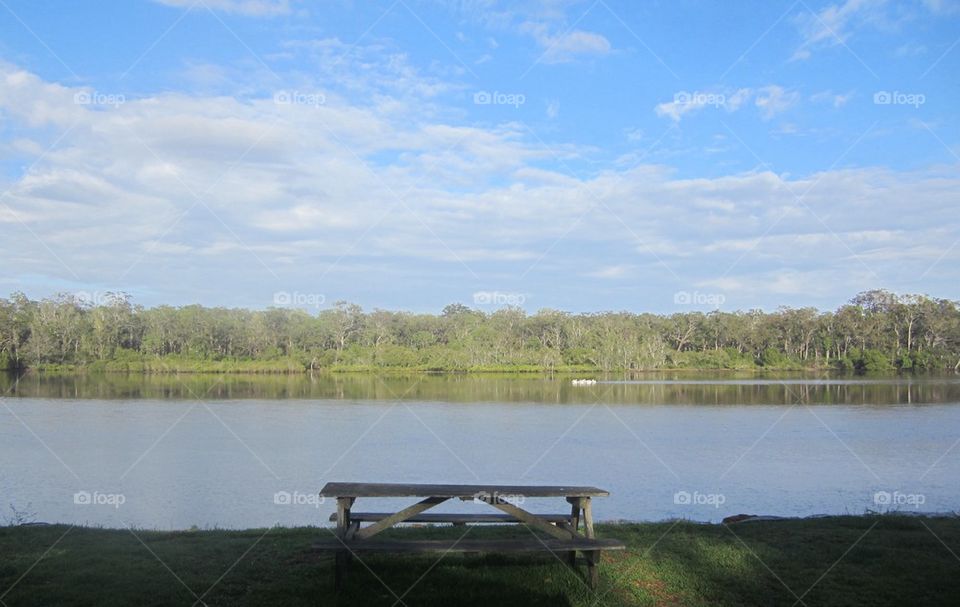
[563,529]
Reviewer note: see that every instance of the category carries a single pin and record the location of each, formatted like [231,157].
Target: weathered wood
[455,518]
[575,509]
[593,575]
[531,519]
[476,545]
[343,515]
[593,557]
[342,562]
[564,530]
[399,517]
[337,489]
[587,506]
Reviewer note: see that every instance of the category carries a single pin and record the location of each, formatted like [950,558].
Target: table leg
[593,556]
[575,527]
[342,562]
[587,506]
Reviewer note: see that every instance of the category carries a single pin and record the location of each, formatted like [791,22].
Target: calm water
[168,452]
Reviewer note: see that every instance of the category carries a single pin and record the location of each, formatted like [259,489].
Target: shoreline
[734,519]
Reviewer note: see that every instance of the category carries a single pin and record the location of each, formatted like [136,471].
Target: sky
[577,155]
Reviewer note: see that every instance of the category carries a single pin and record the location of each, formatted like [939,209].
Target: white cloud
[202,193]
[837,100]
[547,22]
[836,24]
[774,99]
[787,282]
[579,42]
[910,49]
[737,99]
[686,102]
[832,25]
[771,100]
[250,8]
[553,109]
[611,272]
[568,46]
[674,109]
[943,7]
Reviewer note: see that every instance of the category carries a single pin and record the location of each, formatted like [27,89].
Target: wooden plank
[587,516]
[531,519]
[593,556]
[440,517]
[474,545]
[343,515]
[574,527]
[342,562]
[576,507]
[337,489]
[593,575]
[399,517]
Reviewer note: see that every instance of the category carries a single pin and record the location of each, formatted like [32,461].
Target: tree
[345,321]
[877,330]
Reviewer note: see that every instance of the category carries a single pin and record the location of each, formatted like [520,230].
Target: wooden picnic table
[564,529]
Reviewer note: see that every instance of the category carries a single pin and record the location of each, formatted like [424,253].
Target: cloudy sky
[405,154]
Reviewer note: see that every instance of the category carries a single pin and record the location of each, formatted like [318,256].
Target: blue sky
[592,155]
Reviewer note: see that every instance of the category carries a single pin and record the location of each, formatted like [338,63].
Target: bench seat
[457,519]
[478,545]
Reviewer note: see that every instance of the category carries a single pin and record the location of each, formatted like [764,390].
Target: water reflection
[654,388]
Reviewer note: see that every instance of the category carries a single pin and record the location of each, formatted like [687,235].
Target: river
[174,452]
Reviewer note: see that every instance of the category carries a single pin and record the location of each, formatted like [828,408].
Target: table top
[461,491]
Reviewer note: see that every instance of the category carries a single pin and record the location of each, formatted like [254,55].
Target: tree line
[876,331]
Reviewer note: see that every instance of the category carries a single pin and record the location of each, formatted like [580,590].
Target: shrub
[872,361]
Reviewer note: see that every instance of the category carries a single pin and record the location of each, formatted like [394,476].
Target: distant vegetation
[876,331]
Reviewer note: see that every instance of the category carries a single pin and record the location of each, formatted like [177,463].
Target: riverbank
[862,560]
[288,366]
[292,366]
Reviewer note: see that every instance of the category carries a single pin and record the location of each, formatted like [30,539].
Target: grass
[868,560]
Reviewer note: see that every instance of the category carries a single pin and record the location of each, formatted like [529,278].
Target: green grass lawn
[880,560]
